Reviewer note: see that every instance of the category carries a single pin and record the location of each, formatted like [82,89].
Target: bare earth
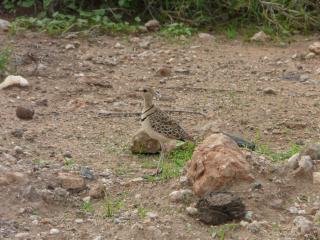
[224,79]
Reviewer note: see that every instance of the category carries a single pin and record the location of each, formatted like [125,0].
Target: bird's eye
[144,90]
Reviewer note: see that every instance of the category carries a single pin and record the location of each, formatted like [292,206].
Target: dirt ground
[225,79]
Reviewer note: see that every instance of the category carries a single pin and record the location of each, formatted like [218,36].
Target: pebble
[151,215]
[180,195]
[70,46]
[310,55]
[22,235]
[117,221]
[304,77]
[206,36]
[269,91]
[306,163]
[118,45]
[24,112]
[97,190]
[293,161]
[18,150]
[79,221]
[315,47]
[4,25]
[192,210]
[98,237]
[260,37]
[152,25]
[54,231]
[316,177]
[302,225]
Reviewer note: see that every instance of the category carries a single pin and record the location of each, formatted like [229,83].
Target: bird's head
[148,93]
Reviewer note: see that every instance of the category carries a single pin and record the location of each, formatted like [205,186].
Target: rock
[210,128]
[70,46]
[71,182]
[293,161]
[184,181]
[312,150]
[142,143]
[151,215]
[54,231]
[22,235]
[79,221]
[304,77]
[269,91]
[260,37]
[217,208]
[18,150]
[30,193]
[180,195]
[18,133]
[152,25]
[310,55]
[118,46]
[257,185]
[13,177]
[98,190]
[13,80]
[192,211]
[302,226]
[316,177]
[217,163]
[144,44]
[24,112]
[163,72]
[4,25]
[206,36]
[98,238]
[306,163]
[86,172]
[315,47]
[293,210]
[277,204]
[254,227]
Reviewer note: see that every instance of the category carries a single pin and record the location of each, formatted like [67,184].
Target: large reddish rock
[143,143]
[217,163]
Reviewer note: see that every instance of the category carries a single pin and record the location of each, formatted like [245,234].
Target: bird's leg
[162,157]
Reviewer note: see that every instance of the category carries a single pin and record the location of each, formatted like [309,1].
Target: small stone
[24,112]
[151,215]
[269,91]
[257,185]
[18,133]
[18,150]
[206,36]
[54,231]
[302,225]
[244,223]
[86,172]
[4,25]
[71,182]
[192,211]
[312,150]
[315,47]
[143,143]
[79,221]
[316,177]
[304,77]
[13,80]
[293,161]
[22,235]
[184,180]
[306,163]
[180,195]
[70,46]
[310,55]
[117,221]
[163,72]
[98,238]
[118,45]
[97,190]
[254,227]
[144,44]
[152,25]
[293,210]
[86,199]
[277,204]
[260,37]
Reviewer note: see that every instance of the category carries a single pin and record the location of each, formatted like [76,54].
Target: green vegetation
[220,231]
[142,212]
[69,162]
[112,207]
[181,16]
[86,207]
[173,165]
[4,60]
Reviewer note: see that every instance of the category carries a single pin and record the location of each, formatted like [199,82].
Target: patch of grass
[231,32]
[40,162]
[173,165]
[86,22]
[177,29]
[86,207]
[4,59]
[69,162]
[220,231]
[142,212]
[112,207]
[277,156]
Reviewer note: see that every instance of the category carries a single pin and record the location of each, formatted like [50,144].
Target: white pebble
[54,231]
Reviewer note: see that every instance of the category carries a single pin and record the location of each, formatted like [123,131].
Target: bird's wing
[163,124]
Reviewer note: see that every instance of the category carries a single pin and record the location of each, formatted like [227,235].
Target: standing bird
[158,125]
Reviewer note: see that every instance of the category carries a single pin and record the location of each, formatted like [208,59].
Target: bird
[158,125]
